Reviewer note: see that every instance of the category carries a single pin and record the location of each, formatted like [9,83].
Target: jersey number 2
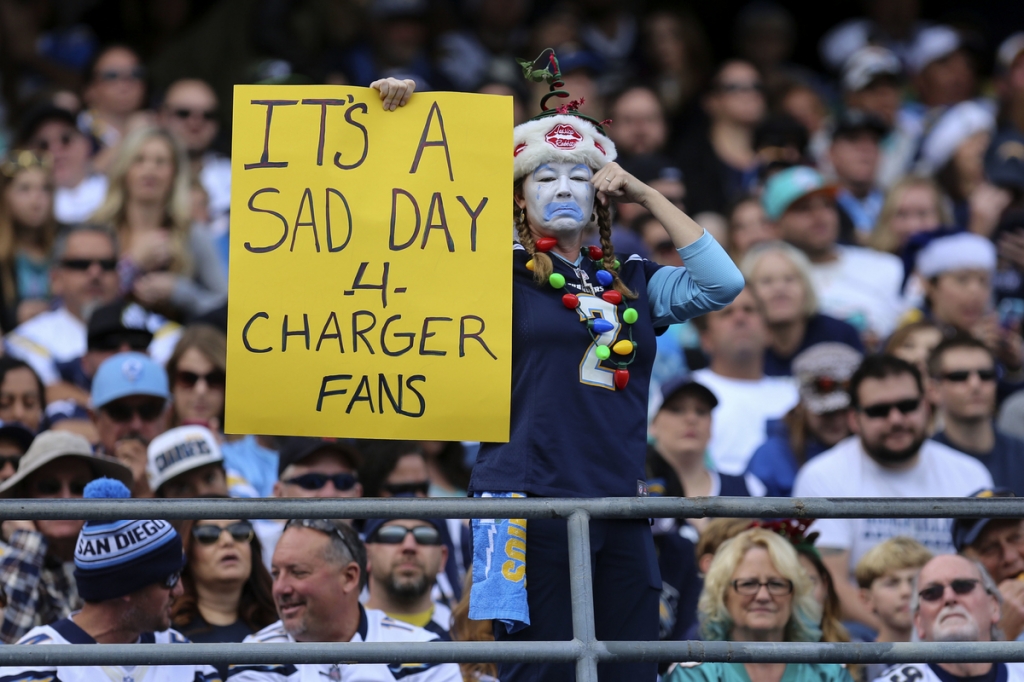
[591,371]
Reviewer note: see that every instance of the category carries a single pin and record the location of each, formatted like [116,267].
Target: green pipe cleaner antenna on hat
[545,69]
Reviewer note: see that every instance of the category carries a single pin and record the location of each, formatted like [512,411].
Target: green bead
[629,315]
[617,264]
[603,352]
[556,280]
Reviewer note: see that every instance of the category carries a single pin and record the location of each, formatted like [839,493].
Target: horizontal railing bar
[294,653]
[530,508]
[815,652]
[510,652]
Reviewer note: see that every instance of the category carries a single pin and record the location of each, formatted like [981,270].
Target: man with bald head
[190,112]
[955,600]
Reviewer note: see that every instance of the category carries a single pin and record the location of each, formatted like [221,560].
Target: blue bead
[602,326]
[604,277]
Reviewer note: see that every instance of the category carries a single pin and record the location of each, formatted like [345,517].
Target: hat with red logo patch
[559,135]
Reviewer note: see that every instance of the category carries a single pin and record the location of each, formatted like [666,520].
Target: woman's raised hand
[394,92]
[613,181]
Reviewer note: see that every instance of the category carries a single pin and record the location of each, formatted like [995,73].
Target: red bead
[621,378]
[612,297]
[545,244]
[595,253]
[570,301]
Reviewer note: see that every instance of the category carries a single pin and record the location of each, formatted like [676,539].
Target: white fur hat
[559,139]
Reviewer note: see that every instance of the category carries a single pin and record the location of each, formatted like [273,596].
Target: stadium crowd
[874,205]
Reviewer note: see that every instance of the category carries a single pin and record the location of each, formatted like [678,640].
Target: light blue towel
[499,570]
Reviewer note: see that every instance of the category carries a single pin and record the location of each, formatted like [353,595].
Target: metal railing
[584,649]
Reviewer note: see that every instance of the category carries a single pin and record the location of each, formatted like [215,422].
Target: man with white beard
[955,600]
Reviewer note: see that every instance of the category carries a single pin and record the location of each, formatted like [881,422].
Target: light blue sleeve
[709,281]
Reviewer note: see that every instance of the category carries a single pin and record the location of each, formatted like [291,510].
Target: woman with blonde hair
[28,230]
[167,264]
[779,275]
[912,206]
[756,590]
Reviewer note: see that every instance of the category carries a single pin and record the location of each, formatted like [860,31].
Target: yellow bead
[529,265]
[623,347]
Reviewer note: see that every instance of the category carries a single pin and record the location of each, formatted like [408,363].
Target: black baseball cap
[40,114]
[119,323]
[967,531]
[854,121]
[17,433]
[686,386]
[294,449]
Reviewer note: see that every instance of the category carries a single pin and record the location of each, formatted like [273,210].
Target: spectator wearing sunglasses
[36,564]
[319,570]
[393,468]
[310,467]
[891,456]
[719,160]
[128,574]
[130,400]
[190,112]
[197,373]
[187,462]
[964,377]
[52,131]
[998,545]
[955,600]
[404,558]
[818,422]
[226,588]
[115,89]
[84,277]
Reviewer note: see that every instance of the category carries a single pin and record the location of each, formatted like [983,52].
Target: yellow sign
[370,280]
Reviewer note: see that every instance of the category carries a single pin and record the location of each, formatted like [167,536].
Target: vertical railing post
[581,587]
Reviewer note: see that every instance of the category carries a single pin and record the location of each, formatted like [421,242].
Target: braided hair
[542,267]
[604,227]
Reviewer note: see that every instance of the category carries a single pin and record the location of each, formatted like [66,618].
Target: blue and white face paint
[559,197]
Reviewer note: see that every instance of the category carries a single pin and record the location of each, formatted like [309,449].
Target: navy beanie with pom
[115,558]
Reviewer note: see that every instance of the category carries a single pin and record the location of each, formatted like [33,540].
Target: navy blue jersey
[572,433]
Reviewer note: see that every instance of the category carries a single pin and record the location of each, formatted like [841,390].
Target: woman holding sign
[584,326]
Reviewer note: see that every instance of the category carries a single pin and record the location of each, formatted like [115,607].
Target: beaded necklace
[623,348]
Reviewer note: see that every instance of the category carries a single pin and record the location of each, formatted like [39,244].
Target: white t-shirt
[215,177]
[738,423]
[861,287]
[925,672]
[73,205]
[374,626]
[65,631]
[847,471]
[58,336]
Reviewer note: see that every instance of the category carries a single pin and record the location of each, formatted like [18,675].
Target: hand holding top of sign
[394,92]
